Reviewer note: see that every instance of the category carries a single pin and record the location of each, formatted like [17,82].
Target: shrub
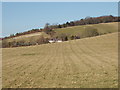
[63,37]
[4,44]
[90,32]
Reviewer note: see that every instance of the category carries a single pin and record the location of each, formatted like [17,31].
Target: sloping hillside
[84,63]
[29,37]
[102,28]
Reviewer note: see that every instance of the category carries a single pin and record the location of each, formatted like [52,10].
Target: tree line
[48,29]
[88,32]
[88,20]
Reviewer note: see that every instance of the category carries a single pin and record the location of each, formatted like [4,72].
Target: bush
[90,32]
[63,37]
[74,37]
[4,44]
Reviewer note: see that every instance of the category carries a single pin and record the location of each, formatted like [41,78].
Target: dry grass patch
[85,63]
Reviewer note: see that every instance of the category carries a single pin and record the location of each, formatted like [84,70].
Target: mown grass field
[84,63]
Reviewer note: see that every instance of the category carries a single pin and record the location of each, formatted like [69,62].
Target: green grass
[79,30]
[102,28]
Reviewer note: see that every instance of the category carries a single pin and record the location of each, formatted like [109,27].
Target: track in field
[85,63]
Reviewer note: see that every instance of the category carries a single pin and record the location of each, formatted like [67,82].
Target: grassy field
[102,28]
[84,63]
[0,66]
[29,37]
